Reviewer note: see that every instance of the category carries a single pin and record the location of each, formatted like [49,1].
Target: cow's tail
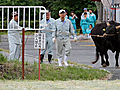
[97,57]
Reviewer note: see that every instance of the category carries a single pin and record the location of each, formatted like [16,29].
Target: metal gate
[29,18]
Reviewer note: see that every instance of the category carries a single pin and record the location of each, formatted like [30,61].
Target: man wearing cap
[63,30]
[49,36]
[14,37]
[85,11]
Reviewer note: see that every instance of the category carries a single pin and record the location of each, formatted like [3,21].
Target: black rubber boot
[49,58]
[42,57]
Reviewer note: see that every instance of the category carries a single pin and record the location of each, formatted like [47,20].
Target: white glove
[53,40]
[75,38]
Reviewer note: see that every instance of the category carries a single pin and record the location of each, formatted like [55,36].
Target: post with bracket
[23,47]
[39,63]
[39,43]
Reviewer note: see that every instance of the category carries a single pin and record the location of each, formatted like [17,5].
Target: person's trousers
[14,51]
[75,28]
[49,47]
[63,44]
[88,31]
[84,28]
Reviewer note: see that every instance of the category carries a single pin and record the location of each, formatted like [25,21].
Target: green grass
[2,59]
[12,70]
[70,73]
[26,33]
[3,33]
[5,50]
[29,32]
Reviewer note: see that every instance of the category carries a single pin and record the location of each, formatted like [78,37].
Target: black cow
[109,40]
[100,43]
[114,29]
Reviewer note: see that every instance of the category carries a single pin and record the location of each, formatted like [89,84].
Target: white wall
[118,16]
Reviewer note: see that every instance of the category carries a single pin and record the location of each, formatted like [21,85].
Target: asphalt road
[83,52]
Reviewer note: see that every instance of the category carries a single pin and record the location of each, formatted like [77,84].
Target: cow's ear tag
[104,29]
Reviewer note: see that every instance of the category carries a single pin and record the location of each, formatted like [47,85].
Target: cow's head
[112,27]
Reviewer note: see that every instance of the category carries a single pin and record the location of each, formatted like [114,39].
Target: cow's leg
[107,57]
[97,57]
[103,63]
[116,57]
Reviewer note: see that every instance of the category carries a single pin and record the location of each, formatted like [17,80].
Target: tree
[55,5]
[100,11]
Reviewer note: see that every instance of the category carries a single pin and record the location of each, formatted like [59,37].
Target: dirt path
[60,85]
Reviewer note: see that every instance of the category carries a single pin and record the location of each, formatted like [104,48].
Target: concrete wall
[118,16]
[108,13]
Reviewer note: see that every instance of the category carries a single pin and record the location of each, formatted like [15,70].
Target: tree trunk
[99,6]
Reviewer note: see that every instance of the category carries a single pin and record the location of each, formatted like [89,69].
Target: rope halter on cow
[104,35]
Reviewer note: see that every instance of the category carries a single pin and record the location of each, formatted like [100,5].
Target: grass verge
[26,33]
[3,33]
[11,70]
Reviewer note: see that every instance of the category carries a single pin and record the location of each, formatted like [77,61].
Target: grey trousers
[63,44]
[14,51]
[49,47]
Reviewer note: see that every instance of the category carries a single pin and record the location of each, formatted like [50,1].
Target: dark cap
[14,14]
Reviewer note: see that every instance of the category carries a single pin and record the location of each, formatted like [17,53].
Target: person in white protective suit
[49,35]
[14,37]
[63,30]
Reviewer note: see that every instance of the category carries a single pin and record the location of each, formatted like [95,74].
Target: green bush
[2,58]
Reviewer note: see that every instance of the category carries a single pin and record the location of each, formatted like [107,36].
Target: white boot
[60,61]
[88,35]
[65,60]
